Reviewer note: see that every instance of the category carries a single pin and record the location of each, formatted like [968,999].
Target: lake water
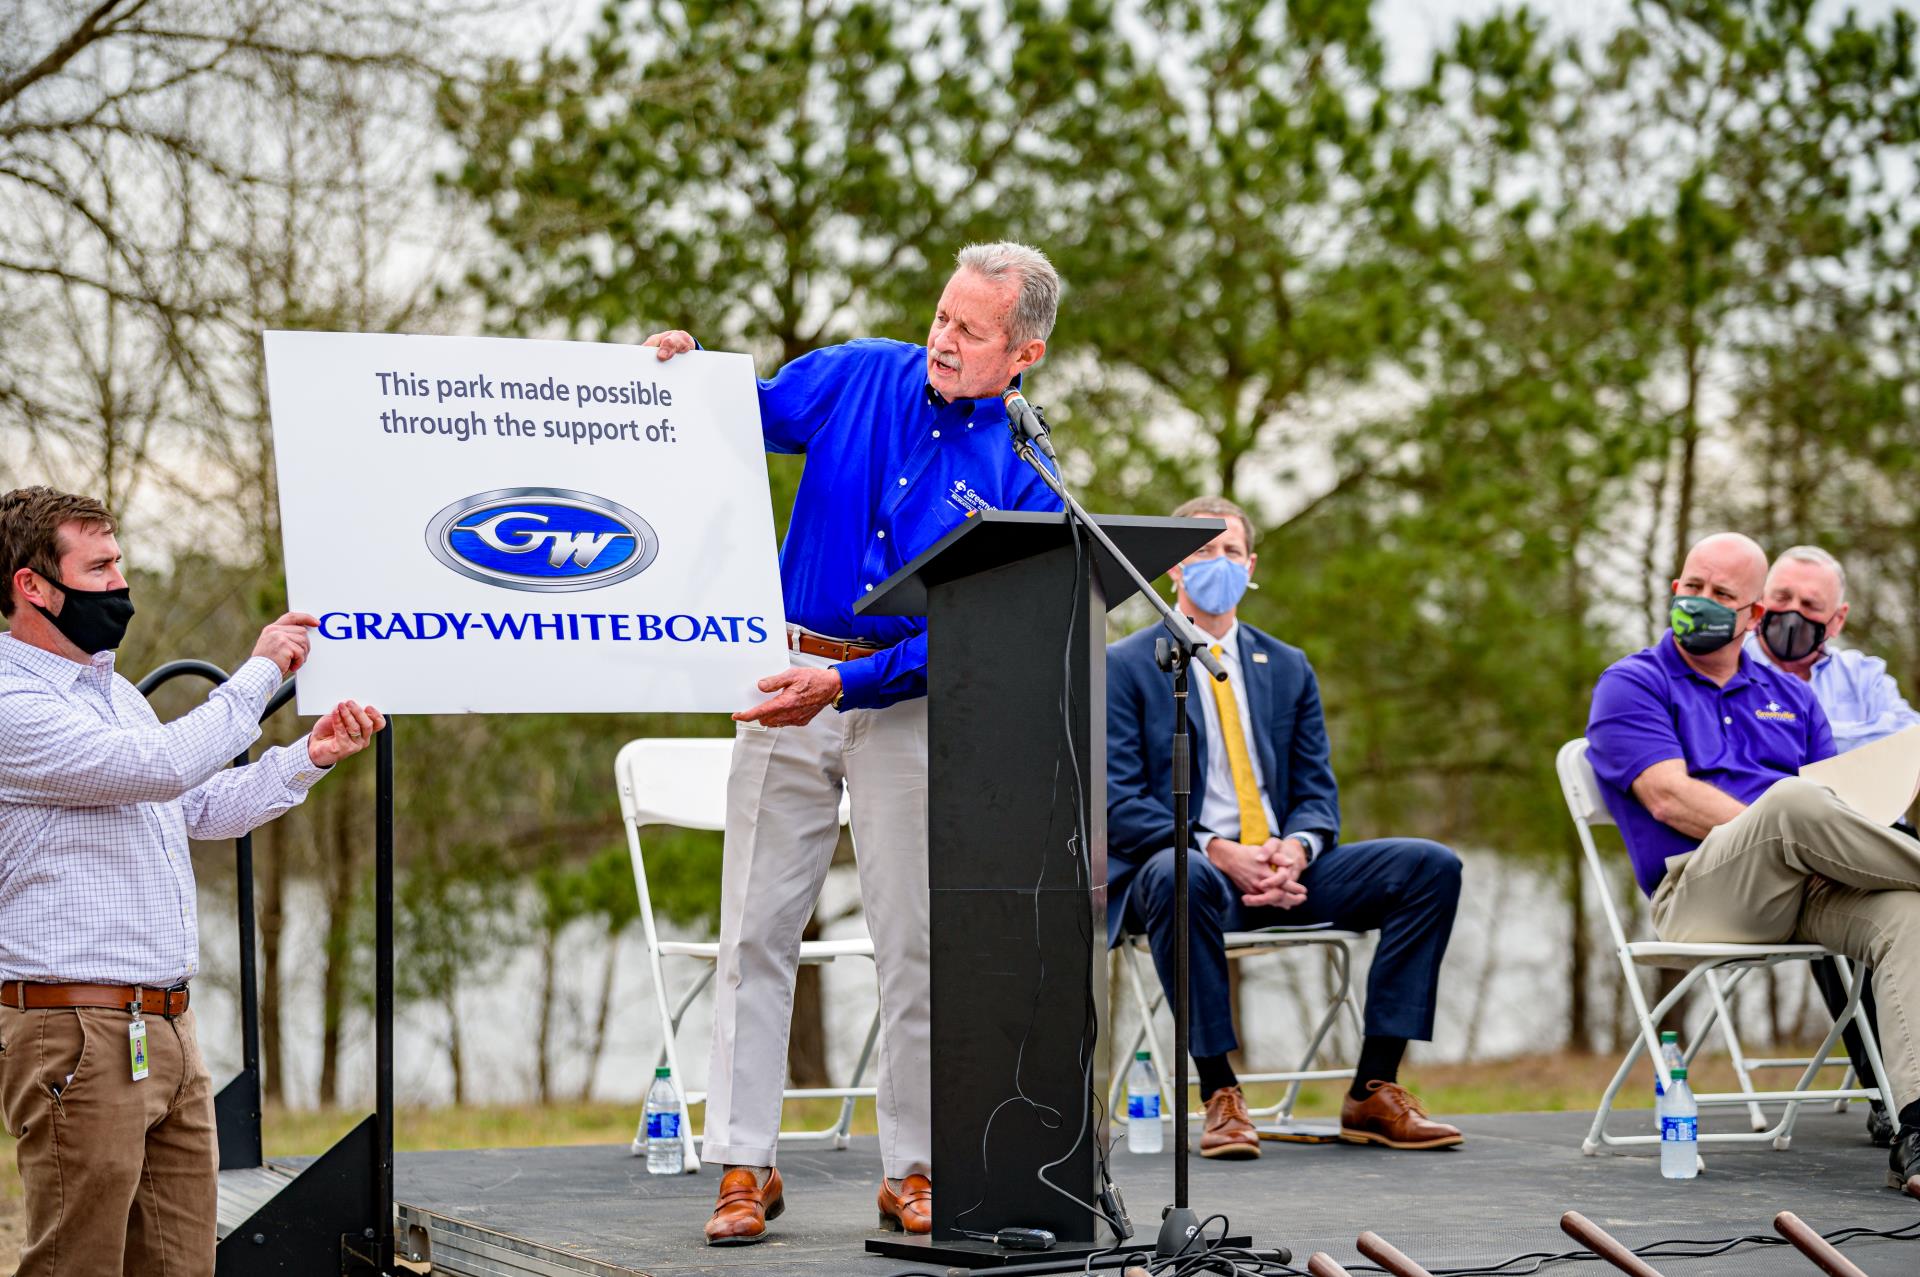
[1504,992]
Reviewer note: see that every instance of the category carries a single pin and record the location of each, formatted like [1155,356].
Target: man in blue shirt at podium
[902,442]
[1266,848]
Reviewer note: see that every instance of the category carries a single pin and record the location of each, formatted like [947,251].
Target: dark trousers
[1833,991]
[1407,889]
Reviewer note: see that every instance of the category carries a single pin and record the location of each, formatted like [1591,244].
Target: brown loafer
[740,1216]
[911,1209]
[1391,1116]
[1229,1131]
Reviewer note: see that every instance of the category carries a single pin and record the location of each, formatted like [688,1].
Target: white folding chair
[1720,967]
[682,781]
[1135,954]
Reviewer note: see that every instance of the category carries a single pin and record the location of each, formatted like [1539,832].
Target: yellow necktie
[1253,817]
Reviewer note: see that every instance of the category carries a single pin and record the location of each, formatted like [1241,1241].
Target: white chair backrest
[674,780]
[1581,788]
[1580,785]
[678,780]
[667,780]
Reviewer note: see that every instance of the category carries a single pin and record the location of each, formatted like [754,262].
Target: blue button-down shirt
[1741,738]
[891,468]
[1862,702]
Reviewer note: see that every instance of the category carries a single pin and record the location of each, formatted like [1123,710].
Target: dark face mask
[92,620]
[1700,625]
[1792,636]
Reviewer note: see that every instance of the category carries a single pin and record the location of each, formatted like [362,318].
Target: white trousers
[783,821]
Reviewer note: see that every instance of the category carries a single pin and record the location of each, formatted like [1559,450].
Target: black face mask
[92,620]
[1791,636]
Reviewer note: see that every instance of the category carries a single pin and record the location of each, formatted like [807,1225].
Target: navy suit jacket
[1288,730]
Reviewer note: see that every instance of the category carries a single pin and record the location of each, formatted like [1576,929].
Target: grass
[1526,1084]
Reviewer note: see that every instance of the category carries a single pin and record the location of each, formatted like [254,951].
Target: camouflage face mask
[1700,625]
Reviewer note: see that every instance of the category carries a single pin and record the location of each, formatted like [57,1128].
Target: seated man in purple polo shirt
[1698,749]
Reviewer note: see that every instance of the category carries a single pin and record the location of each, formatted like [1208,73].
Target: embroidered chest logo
[1773,711]
[961,496]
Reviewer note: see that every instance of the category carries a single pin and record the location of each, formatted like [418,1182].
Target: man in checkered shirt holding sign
[101,1078]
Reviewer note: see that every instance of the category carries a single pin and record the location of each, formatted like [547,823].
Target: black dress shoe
[1879,1125]
[1903,1163]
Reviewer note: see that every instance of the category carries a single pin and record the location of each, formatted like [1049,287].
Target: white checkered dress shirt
[97,801]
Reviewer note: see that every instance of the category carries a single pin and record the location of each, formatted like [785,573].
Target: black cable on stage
[1233,1261]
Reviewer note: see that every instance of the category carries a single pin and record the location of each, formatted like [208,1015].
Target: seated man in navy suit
[1266,848]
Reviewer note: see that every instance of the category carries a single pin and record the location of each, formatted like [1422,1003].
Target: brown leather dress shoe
[740,1217]
[911,1209]
[1229,1131]
[1391,1116]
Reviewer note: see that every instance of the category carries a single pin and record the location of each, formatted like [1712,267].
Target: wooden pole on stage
[1814,1246]
[1381,1252]
[1604,1244]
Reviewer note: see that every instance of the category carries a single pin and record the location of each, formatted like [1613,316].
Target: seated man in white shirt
[1807,608]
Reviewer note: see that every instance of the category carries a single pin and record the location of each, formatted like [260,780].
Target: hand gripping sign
[486,525]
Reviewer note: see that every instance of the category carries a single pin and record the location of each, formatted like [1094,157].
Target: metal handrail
[242,1147]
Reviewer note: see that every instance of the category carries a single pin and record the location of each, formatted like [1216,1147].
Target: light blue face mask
[1215,585]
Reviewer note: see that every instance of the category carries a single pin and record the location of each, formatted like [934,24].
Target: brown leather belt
[831,649]
[23,995]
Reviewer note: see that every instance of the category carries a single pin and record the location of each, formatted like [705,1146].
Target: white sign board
[486,525]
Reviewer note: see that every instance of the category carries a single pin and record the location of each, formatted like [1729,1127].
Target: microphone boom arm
[1184,631]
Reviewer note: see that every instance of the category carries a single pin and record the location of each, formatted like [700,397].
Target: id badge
[137,1048]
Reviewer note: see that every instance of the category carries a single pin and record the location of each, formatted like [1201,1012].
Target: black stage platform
[596,1210]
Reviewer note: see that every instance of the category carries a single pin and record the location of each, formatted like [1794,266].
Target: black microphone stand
[1184,644]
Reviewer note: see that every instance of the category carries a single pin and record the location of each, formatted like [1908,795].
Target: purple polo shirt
[1741,738]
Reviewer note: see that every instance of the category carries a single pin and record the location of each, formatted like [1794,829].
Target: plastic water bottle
[1679,1130]
[1670,1055]
[1143,1106]
[665,1153]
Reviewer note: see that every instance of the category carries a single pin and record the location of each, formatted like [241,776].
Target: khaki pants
[1801,866]
[783,803]
[120,1176]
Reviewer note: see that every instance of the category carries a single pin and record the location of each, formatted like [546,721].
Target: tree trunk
[600,1016]
[337,950]
[1579,1015]
[549,946]
[1579,1029]
[1238,1059]
[456,1045]
[1689,446]
[270,868]
[1665,981]
[807,1045]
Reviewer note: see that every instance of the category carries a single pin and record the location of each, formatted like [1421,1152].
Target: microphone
[1026,423]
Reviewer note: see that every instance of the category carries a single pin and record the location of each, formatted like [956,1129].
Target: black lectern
[1017,840]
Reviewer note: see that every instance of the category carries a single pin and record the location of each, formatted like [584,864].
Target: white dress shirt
[97,801]
[1860,698]
[1218,814]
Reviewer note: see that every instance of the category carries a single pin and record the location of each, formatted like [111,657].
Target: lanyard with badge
[137,1040]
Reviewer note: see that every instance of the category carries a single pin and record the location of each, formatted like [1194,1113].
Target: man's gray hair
[1814,554]
[1039,300]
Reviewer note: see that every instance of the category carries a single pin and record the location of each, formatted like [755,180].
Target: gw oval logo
[547,540]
